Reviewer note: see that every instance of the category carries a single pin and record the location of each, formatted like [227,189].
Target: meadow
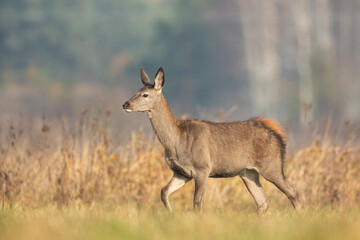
[63,179]
[131,222]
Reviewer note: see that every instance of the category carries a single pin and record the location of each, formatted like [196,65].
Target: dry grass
[130,222]
[82,163]
[76,181]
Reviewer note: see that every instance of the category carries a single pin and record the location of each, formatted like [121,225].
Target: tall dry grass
[84,162]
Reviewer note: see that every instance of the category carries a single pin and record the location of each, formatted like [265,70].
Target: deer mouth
[126,107]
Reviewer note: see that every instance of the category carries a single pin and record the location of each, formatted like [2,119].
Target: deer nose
[126,105]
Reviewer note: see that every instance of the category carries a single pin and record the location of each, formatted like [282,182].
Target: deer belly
[225,168]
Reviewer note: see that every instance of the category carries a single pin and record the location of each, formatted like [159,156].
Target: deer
[199,150]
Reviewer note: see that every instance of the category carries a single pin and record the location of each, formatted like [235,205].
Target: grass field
[130,222]
[76,181]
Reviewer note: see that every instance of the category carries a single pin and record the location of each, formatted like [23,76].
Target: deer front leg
[200,186]
[176,182]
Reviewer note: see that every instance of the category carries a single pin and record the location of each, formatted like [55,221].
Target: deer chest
[176,165]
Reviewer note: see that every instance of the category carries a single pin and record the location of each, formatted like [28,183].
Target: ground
[133,222]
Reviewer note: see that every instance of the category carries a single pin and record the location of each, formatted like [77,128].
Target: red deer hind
[196,149]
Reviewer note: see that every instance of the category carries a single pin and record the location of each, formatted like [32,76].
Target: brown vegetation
[84,163]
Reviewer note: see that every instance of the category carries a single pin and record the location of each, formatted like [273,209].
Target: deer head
[148,97]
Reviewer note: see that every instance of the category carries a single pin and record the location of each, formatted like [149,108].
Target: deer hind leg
[176,182]
[252,183]
[278,179]
[289,190]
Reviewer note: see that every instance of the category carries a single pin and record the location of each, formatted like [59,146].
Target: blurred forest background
[282,59]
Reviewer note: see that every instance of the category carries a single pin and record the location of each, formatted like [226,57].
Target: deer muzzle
[126,107]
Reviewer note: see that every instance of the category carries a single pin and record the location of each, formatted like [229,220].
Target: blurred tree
[68,39]
[199,49]
[266,56]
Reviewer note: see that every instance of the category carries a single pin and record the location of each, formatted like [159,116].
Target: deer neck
[165,124]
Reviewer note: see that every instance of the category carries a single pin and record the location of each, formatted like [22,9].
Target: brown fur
[273,126]
[278,131]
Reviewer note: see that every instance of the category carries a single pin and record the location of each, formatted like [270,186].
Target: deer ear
[159,79]
[144,78]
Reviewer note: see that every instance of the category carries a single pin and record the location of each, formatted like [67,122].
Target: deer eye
[145,95]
